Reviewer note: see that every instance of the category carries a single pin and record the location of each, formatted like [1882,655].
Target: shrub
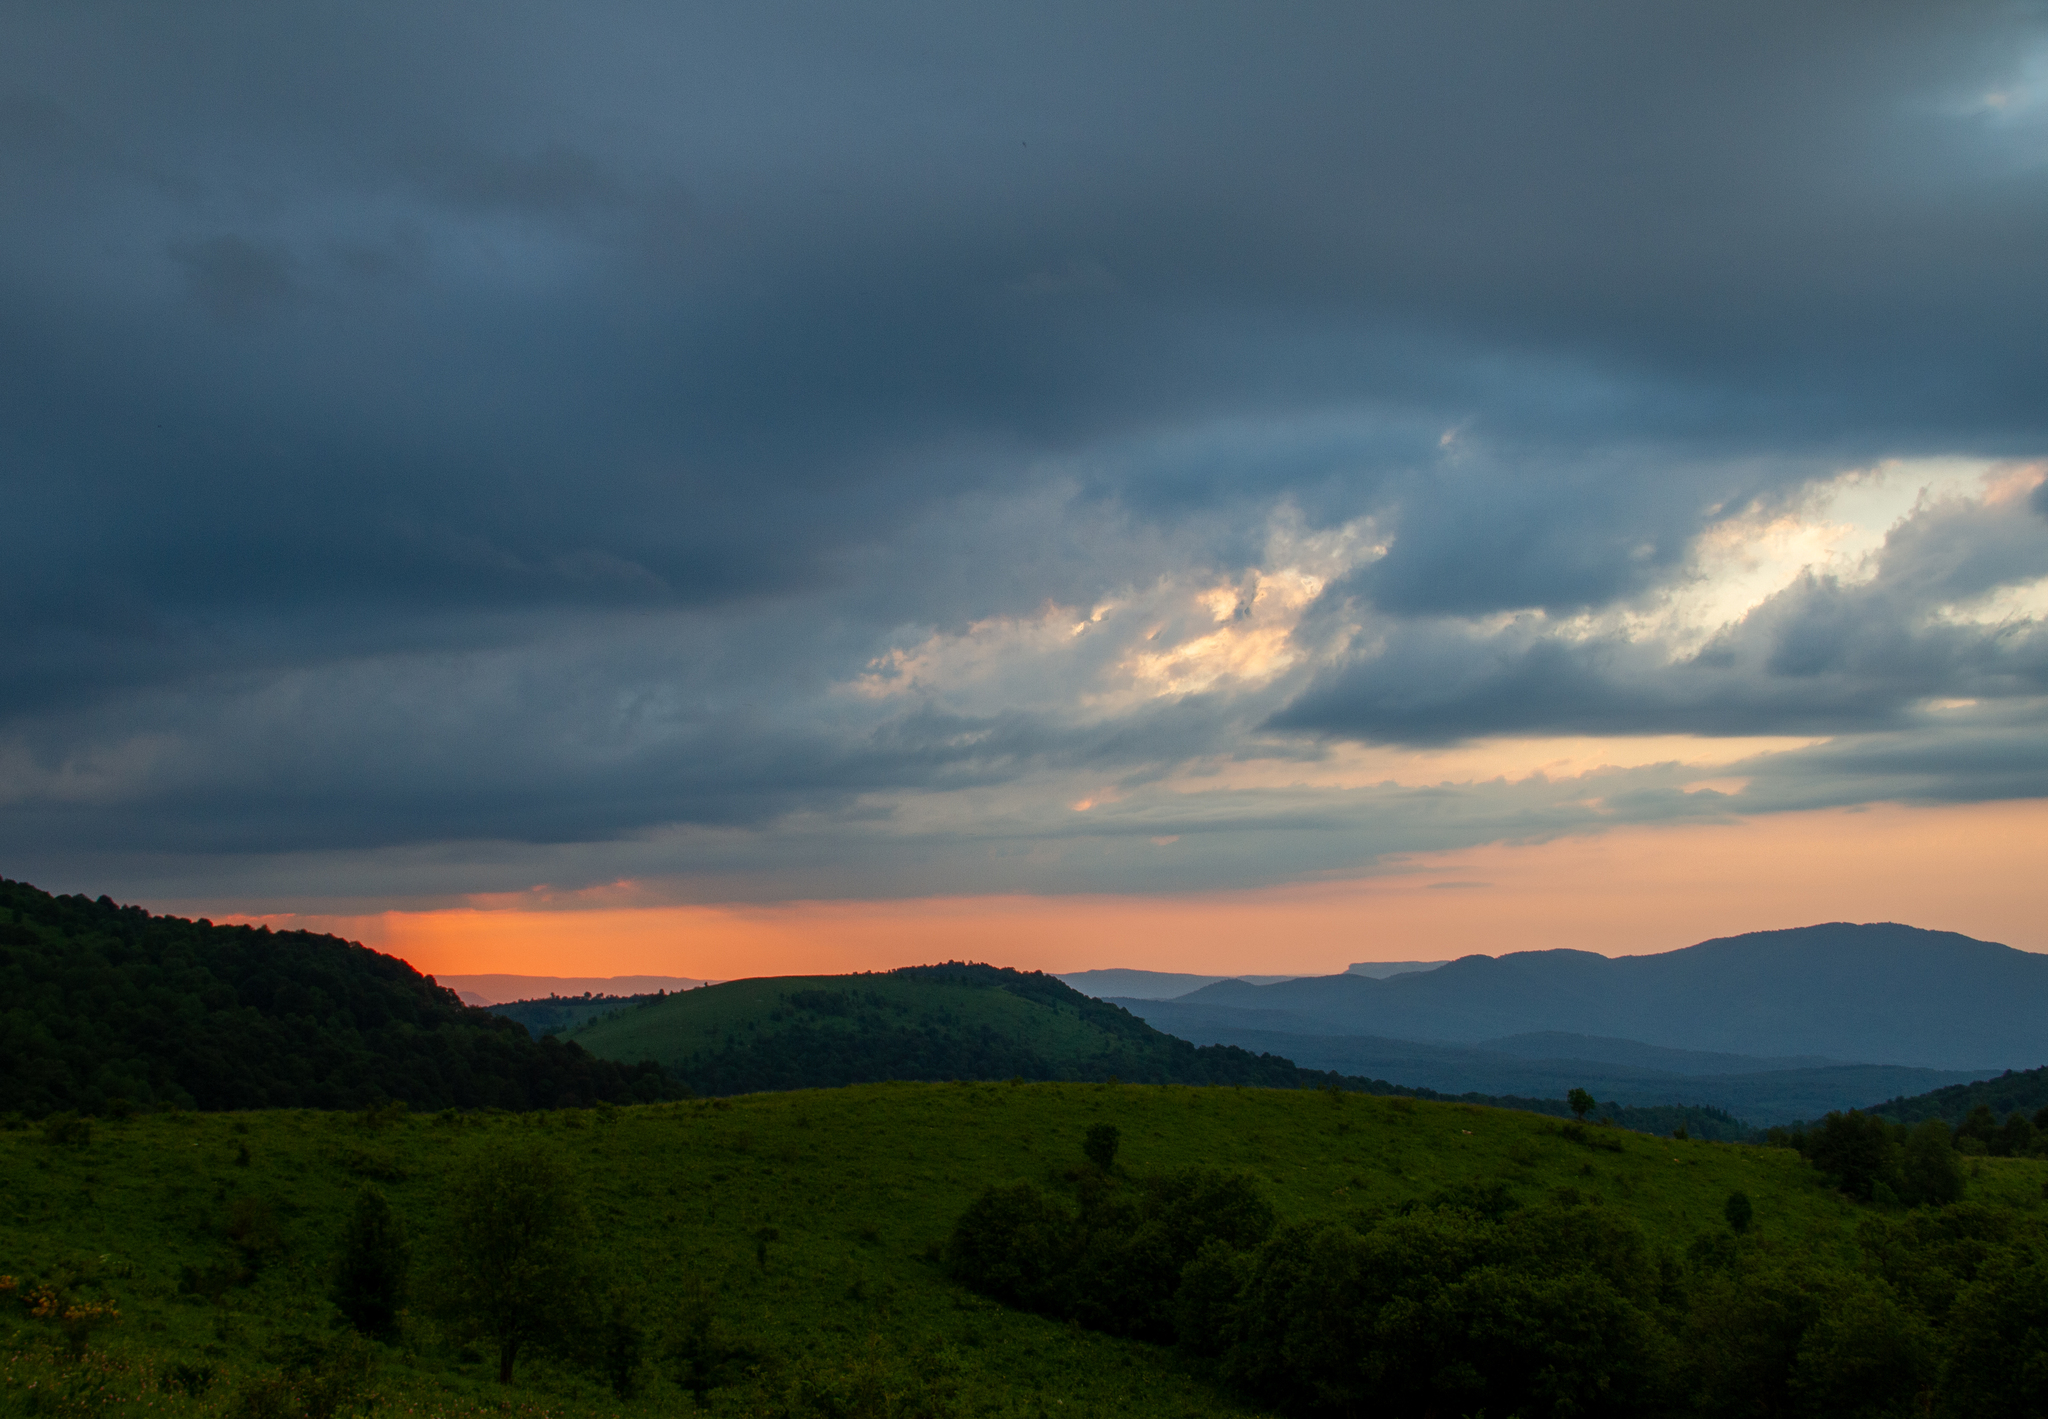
[1012,1243]
[618,1338]
[1857,1150]
[1929,1174]
[370,1272]
[1738,1211]
[700,1354]
[1101,1145]
[67,1130]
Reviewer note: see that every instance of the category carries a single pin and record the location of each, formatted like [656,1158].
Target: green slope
[974,1022]
[213,1234]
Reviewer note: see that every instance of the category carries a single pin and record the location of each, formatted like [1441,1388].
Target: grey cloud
[341,348]
[235,279]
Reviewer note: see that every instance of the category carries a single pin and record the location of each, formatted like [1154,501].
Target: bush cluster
[1474,1302]
[1875,1159]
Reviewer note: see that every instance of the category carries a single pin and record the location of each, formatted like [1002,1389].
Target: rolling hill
[1880,993]
[788,1254]
[922,1022]
[977,1022]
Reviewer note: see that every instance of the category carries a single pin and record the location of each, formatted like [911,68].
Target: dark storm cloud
[343,351]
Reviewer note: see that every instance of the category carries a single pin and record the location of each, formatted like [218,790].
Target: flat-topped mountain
[1881,993]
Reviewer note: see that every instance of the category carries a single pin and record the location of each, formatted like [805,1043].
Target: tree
[1101,1145]
[1857,1150]
[1928,1171]
[511,1269]
[1978,1133]
[369,1275]
[1582,1103]
[1738,1211]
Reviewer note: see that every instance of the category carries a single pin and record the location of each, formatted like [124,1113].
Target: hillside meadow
[781,1253]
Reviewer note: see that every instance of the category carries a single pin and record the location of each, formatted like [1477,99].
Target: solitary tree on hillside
[1582,1103]
[369,1275]
[1738,1211]
[511,1268]
[1101,1145]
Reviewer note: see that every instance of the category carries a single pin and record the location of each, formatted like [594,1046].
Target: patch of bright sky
[1365,765]
[1237,637]
[2014,97]
[1833,528]
[1174,637]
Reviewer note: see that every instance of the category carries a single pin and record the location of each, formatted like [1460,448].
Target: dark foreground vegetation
[1479,1299]
[962,1249]
[107,1008]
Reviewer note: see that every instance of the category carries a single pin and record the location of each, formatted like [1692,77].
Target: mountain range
[1836,993]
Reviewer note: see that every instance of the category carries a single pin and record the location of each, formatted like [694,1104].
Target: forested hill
[970,1021]
[103,1005]
[952,1021]
[2015,1091]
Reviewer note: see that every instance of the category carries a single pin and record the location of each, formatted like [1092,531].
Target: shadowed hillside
[104,1006]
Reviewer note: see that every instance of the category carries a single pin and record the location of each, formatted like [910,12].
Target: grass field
[853,1190]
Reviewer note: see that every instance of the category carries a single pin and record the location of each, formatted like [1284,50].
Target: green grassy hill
[979,1023]
[799,1227]
[923,1022]
[802,1230]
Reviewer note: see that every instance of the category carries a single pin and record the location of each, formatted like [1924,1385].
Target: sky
[720,490]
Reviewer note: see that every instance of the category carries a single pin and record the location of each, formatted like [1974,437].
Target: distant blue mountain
[1880,993]
[1761,1092]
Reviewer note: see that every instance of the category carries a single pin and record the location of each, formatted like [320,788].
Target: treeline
[554,1014]
[105,1007]
[1879,1160]
[1472,1302]
[2013,1092]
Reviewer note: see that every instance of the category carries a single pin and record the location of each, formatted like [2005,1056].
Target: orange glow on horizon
[1970,869]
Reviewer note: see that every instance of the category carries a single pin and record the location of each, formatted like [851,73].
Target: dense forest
[105,1008]
[1480,1299]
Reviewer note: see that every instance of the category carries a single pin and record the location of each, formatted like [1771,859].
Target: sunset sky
[724,490]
